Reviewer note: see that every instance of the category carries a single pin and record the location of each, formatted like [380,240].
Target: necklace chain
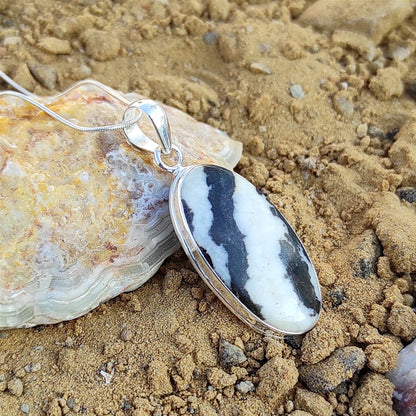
[32,99]
[132,115]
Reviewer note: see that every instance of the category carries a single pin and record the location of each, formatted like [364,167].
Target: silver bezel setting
[204,269]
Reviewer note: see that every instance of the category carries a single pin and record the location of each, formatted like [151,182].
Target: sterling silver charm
[239,243]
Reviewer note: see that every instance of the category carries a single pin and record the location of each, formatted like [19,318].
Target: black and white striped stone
[251,247]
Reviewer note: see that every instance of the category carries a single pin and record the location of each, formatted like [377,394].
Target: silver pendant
[239,243]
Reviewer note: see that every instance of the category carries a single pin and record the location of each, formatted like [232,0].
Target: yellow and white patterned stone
[84,216]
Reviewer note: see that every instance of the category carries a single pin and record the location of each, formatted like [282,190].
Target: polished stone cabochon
[251,248]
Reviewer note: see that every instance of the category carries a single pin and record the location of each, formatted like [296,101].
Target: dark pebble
[39,328]
[408,194]
[230,354]
[392,134]
[295,341]
[339,367]
[342,388]
[368,250]
[337,297]
[374,131]
[411,90]
[126,406]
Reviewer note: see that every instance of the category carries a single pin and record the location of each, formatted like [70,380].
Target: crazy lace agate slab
[84,216]
[245,250]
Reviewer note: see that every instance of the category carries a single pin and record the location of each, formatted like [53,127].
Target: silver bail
[159,119]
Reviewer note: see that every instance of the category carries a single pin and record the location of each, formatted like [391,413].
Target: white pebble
[245,387]
[25,408]
[296,91]
[260,68]
[400,53]
[362,130]
[344,85]
[107,376]
[12,40]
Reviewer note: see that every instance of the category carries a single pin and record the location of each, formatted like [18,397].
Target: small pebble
[210,38]
[343,85]
[362,130]
[365,251]
[15,387]
[12,40]
[230,354]
[336,297]
[289,406]
[342,105]
[264,48]
[399,53]
[296,91]
[408,299]
[326,375]
[70,402]
[69,342]
[44,74]
[126,334]
[25,408]
[84,71]
[374,131]
[107,376]
[24,78]
[35,367]
[408,194]
[245,387]
[260,68]
[403,378]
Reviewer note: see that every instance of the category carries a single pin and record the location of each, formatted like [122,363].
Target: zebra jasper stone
[244,249]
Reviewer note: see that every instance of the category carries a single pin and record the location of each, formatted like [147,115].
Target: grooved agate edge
[245,250]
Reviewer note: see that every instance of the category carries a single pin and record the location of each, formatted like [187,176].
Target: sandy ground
[326,116]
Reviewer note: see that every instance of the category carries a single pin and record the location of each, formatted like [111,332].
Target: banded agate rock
[404,380]
[84,216]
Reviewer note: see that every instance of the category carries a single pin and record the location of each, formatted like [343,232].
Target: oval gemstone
[245,250]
